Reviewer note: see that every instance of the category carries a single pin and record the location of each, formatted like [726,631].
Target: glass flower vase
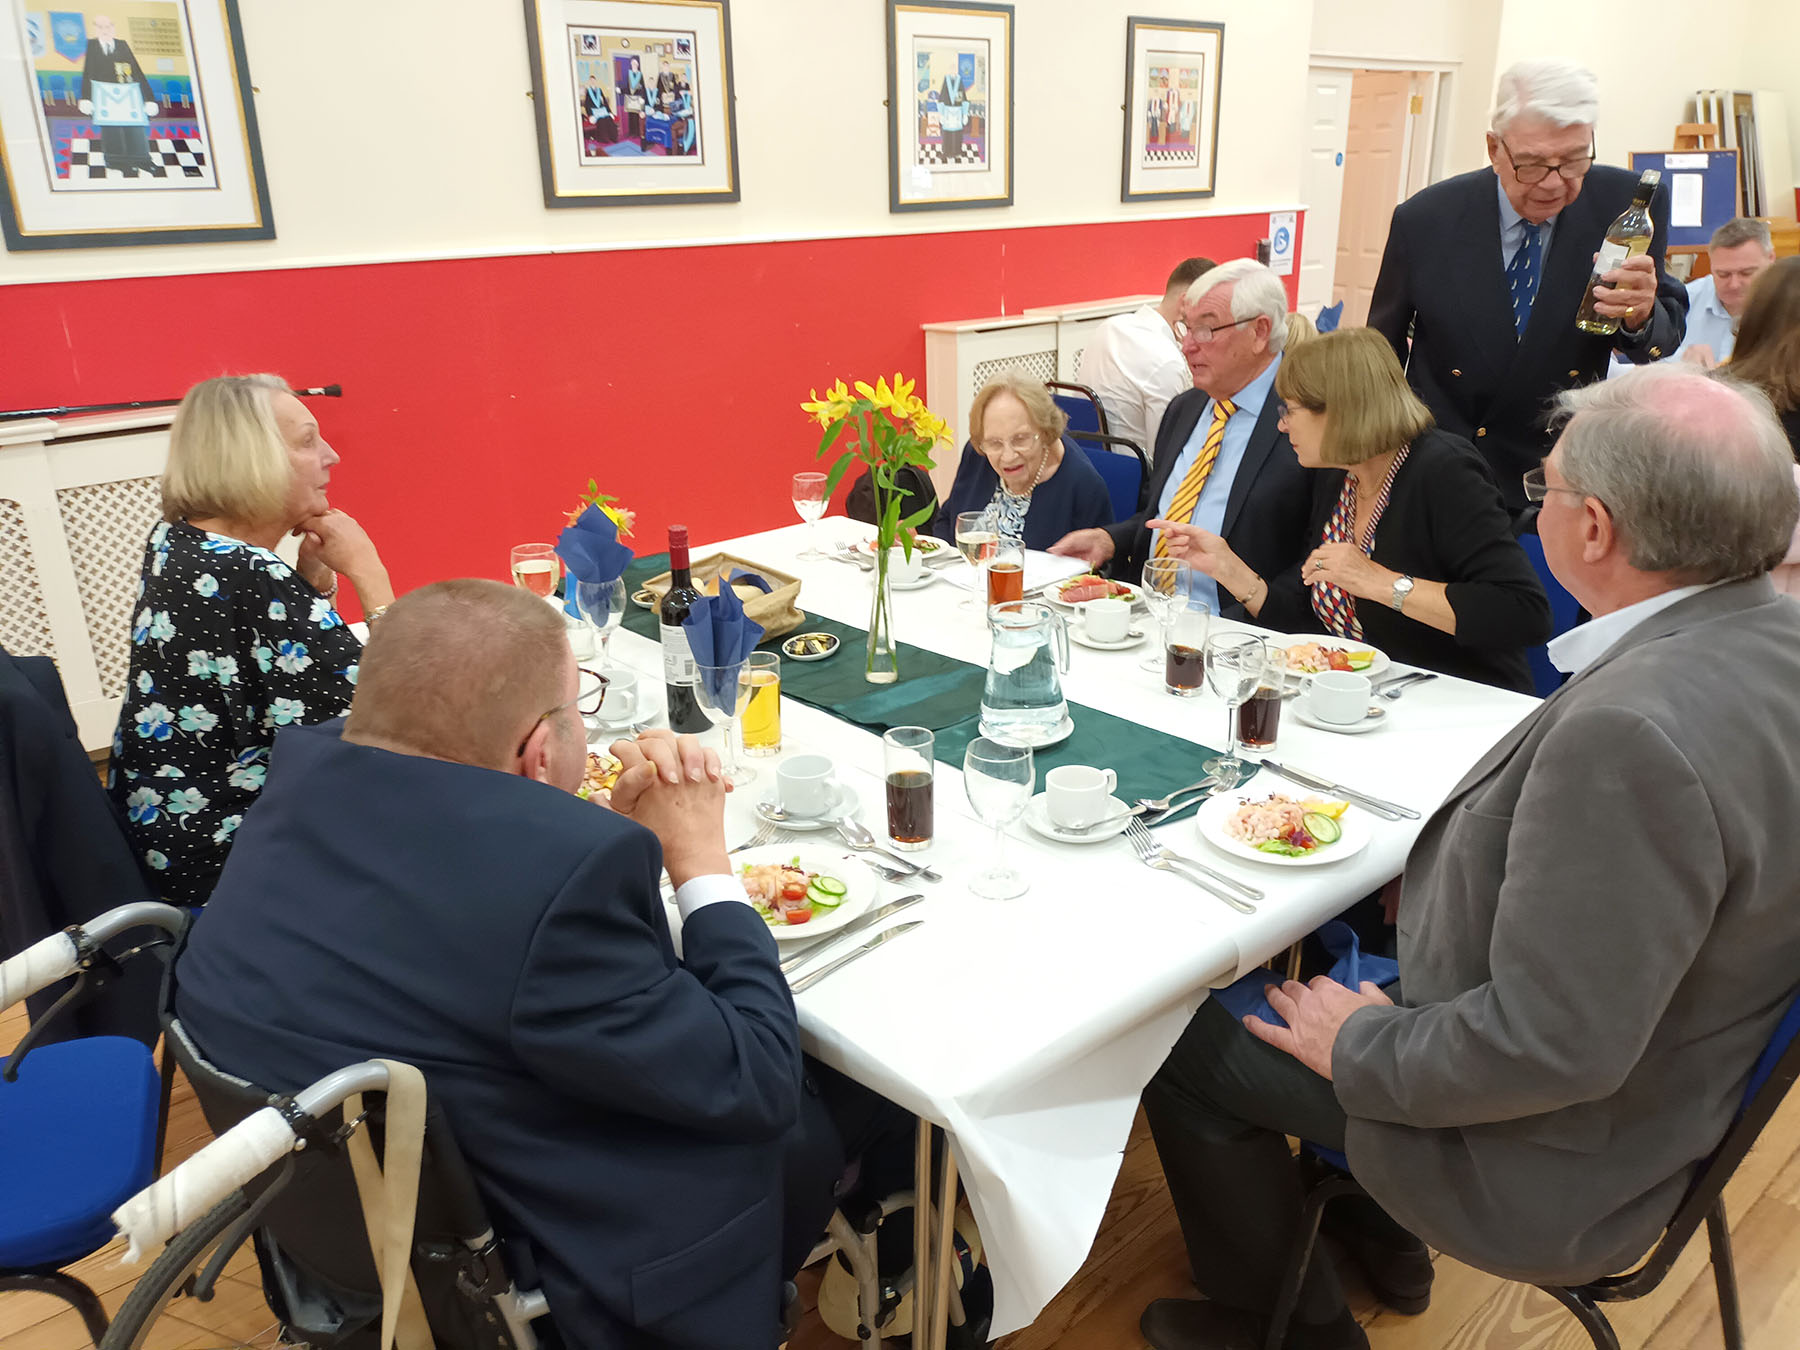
[883,657]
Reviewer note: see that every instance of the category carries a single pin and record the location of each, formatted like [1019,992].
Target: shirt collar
[1581,646]
[1253,395]
[1712,304]
[1511,220]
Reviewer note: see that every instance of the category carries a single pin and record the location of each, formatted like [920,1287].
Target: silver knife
[856,925]
[807,981]
[1378,805]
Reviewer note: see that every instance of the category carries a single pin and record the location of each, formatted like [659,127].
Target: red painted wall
[481,394]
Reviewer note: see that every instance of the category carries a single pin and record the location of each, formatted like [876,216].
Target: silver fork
[765,834]
[1152,854]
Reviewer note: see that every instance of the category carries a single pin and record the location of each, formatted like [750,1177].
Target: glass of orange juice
[761,722]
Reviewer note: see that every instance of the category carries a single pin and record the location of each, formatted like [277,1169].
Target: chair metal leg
[1718,1237]
[1588,1313]
[66,1287]
[1300,1254]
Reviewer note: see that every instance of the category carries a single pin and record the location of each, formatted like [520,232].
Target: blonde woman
[1413,551]
[228,643]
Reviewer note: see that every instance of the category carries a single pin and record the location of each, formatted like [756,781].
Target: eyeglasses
[581,703]
[1203,333]
[1537,487]
[1533,171]
[1019,444]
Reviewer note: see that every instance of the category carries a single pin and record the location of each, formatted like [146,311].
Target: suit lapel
[1567,267]
[1490,324]
[1179,430]
[1263,438]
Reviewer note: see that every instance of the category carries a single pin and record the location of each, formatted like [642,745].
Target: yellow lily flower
[833,407]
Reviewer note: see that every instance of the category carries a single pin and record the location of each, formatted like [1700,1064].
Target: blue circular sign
[1283,240]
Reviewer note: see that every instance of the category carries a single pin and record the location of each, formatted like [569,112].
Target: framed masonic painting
[127,122]
[1171,108]
[950,100]
[633,101]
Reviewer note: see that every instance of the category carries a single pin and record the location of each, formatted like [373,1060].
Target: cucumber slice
[1321,827]
[829,885]
[826,892]
[1361,663]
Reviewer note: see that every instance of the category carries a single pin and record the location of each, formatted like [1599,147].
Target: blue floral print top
[228,645]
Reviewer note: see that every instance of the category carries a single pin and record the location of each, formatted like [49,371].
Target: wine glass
[1234,669]
[977,539]
[999,780]
[602,604]
[809,501]
[722,696]
[1165,588]
[535,567]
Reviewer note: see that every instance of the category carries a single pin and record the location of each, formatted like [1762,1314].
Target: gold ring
[1630,310]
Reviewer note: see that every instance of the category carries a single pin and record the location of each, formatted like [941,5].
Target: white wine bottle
[1626,237]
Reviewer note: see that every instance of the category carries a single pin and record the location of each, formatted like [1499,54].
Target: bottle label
[678,657]
[1611,255]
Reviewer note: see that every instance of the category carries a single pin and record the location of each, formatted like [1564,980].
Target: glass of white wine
[535,567]
[977,539]
[999,780]
[810,501]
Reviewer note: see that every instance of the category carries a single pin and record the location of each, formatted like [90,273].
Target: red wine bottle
[681,679]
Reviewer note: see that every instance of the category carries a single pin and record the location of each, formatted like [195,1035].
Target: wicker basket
[776,611]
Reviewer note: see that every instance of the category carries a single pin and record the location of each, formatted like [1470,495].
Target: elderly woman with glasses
[1416,554]
[230,643]
[1036,483]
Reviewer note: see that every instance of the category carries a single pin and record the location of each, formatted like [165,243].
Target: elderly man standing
[1597,928]
[1133,362]
[1485,273]
[1222,460]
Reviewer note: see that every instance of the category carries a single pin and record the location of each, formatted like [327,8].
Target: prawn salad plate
[1287,829]
[1077,591]
[802,893]
[1308,654]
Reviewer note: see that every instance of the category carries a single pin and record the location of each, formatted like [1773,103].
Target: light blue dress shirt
[1209,511]
[1707,321]
[1512,233]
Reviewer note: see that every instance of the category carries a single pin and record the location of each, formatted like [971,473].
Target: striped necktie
[1188,494]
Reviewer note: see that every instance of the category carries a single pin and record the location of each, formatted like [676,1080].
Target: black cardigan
[1443,522]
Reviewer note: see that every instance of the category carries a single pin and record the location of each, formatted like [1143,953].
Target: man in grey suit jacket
[1598,929]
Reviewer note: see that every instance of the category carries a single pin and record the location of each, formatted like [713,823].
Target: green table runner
[944,694]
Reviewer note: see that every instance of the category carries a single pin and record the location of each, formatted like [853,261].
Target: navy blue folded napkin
[595,558]
[721,637]
[749,578]
[1350,969]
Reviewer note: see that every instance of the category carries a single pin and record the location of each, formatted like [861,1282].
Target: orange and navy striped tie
[1188,494]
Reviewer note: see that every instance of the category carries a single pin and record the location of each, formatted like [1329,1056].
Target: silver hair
[1558,92]
[1695,471]
[1257,294]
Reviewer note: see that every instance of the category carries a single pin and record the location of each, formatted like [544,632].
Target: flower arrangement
[608,506]
[886,428]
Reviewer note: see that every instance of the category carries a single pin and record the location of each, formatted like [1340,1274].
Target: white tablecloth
[1028,1028]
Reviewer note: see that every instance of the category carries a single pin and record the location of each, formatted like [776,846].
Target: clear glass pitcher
[1022,702]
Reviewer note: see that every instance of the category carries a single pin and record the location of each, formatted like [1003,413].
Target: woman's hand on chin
[334,541]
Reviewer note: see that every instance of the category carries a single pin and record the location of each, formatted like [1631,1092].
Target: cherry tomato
[794,890]
[1338,660]
[800,915]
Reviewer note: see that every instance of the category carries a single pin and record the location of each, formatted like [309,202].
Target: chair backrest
[1546,679]
[1081,405]
[1126,475]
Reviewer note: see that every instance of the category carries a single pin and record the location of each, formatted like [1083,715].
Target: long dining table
[1027,1028]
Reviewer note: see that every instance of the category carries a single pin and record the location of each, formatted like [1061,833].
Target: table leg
[923,1283]
[946,1253]
[1293,962]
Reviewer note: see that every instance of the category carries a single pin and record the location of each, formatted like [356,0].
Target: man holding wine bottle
[1503,287]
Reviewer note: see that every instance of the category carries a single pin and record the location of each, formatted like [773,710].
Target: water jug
[1022,701]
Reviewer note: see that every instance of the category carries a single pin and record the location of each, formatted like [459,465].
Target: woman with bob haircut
[228,643]
[1416,553]
[1018,466]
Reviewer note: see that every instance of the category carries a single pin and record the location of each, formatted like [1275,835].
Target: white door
[1374,171]
[1322,181]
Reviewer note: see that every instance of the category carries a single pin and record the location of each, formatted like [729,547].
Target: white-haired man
[1222,462]
[1485,273]
[1575,1022]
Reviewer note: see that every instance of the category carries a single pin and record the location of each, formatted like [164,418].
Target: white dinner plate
[1076,607]
[859,885]
[1375,667]
[1213,813]
[931,546]
[1037,816]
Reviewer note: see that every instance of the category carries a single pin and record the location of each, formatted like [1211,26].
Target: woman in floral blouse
[229,643]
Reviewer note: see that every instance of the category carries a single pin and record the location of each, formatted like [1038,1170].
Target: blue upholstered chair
[1546,679]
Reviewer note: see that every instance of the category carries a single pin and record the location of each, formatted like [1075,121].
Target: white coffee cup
[805,787]
[1107,620]
[1076,795]
[903,569]
[621,703]
[1338,696]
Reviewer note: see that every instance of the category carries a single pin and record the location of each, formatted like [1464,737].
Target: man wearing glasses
[1483,275]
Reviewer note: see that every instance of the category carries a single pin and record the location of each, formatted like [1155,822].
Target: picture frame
[166,151]
[634,101]
[1172,86]
[950,120]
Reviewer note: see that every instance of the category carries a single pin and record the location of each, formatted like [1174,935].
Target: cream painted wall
[403,129]
[1774,56]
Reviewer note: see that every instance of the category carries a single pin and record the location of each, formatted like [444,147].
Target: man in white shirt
[1740,249]
[1134,361]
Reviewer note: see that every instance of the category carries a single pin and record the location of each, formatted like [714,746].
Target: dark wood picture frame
[903,170]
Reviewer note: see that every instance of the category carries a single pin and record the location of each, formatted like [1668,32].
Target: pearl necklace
[1026,494]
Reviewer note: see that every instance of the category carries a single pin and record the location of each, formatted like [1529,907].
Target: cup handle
[1112,781]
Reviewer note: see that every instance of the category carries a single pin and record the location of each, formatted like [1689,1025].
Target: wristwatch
[1402,589]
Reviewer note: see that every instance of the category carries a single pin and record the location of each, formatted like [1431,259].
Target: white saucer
[1037,816]
[918,584]
[1078,635]
[1058,734]
[1343,728]
[766,805]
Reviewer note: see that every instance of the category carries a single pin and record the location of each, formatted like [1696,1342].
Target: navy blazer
[621,1109]
[1074,498]
[1266,515]
[1442,281]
